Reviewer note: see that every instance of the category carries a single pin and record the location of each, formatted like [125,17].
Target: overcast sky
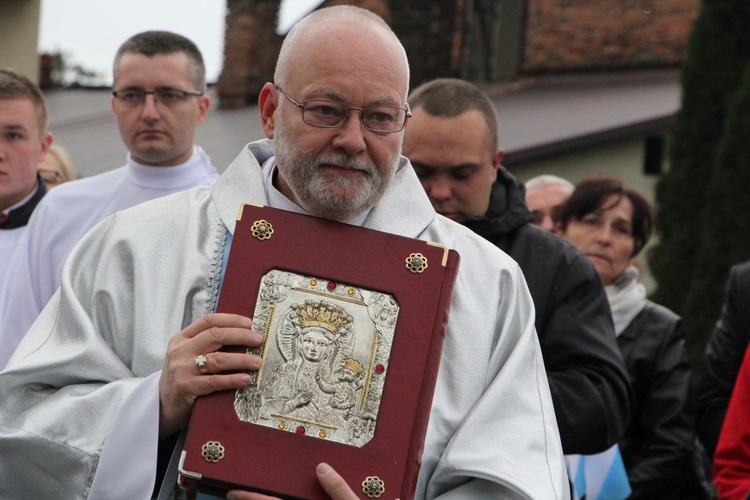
[88,32]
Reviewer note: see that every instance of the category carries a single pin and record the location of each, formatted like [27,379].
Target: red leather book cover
[354,321]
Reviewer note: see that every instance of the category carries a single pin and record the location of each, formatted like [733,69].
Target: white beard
[327,195]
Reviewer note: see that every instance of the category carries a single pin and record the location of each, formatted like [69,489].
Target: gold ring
[200,361]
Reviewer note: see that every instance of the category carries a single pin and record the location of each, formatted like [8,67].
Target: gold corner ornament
[212,451]
[416,263]
[262,229]
[373,487]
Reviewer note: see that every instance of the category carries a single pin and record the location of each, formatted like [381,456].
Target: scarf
[19,216]
[627,298]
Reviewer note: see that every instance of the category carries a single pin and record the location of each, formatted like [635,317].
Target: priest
[113,365]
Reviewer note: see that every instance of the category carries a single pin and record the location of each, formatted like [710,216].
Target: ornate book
[353,322]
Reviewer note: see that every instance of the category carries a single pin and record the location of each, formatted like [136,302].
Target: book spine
[430,374]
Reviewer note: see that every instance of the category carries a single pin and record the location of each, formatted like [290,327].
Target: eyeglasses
[171,98]
[51,177]
[333,114]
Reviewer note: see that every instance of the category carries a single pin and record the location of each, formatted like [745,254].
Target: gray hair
[548,180]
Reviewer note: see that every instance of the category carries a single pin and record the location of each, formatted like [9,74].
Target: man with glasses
[118,357]
[158,101]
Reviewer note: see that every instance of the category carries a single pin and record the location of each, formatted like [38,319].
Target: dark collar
[19,216]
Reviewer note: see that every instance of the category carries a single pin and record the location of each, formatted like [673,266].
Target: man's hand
[334,485]
[181,380]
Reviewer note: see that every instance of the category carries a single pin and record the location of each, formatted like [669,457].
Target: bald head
[306,36]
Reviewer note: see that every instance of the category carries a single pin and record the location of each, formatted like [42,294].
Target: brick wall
[251,47]
[564,35]
[430,35]
[556,36]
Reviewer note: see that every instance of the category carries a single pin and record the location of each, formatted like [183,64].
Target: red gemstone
[300,430]
[331,285]
[379,368]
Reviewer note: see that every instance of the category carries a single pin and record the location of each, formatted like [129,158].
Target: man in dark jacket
[451,141]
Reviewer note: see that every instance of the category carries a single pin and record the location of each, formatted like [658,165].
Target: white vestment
[146,273]
[66,213]
[10,242]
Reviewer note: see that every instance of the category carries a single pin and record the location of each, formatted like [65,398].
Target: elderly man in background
[158,101]
[109,368]
[451,142]
[544,195]
[24,142]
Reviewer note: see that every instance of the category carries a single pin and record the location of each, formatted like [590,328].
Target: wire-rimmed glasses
[169,97]
[332,114]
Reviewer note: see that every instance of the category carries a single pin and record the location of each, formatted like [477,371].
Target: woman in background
[611,224]
[56,167]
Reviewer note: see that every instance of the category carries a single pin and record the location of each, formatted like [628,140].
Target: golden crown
[322,314]
[354,365]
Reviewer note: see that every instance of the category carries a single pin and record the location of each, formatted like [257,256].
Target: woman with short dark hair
[611,224]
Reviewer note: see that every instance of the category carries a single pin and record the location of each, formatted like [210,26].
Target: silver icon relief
[325,358]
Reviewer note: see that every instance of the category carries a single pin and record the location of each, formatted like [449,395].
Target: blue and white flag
[598,477]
